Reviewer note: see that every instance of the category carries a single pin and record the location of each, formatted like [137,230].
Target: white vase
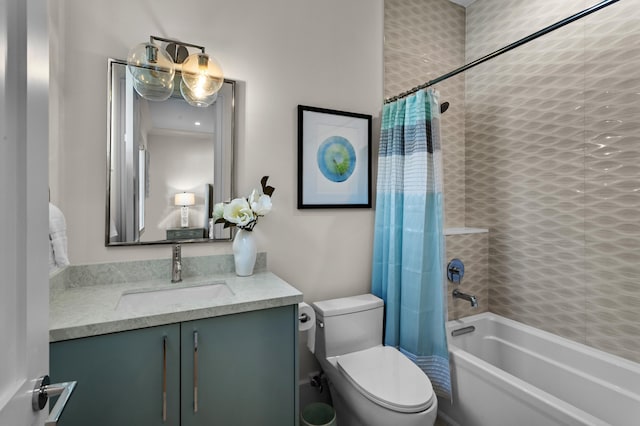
[244,252]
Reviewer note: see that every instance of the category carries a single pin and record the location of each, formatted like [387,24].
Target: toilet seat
[388,378]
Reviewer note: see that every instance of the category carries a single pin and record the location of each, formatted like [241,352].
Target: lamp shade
[152,70]
[202,74]
[194,100]
[185,199]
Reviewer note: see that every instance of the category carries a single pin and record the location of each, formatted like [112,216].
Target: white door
[24,289]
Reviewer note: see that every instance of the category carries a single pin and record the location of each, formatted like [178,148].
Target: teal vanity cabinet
[230,370]
[244,368]
[121,377]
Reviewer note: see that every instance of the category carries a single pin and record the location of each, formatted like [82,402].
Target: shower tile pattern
[553,167]
[423,40]
[471,249]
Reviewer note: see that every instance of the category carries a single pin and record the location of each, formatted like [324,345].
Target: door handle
[43,390]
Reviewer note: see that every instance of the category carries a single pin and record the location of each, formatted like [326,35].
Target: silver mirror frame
[232,167]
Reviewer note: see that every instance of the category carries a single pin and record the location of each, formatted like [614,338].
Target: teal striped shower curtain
[408,253]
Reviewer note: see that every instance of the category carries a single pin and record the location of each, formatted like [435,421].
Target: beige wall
[552,137]
[284,52]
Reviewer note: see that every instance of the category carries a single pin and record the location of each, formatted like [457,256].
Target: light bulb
[152,70]
[202,75]
[196,99]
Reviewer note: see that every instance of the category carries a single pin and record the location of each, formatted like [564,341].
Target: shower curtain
[408,252]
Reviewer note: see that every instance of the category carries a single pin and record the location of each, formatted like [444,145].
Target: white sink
[169,296]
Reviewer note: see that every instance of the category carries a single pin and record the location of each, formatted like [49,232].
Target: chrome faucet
[176,264]
[457,294]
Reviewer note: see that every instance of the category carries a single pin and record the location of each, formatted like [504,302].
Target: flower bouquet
[243,213]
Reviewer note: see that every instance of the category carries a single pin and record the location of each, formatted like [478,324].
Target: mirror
[169,163]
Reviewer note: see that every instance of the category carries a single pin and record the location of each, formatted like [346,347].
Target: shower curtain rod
[505,49]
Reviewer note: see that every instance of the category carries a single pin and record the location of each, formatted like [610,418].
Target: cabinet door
[246,369]
[120,377]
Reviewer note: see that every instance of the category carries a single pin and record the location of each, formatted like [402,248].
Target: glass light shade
[202,74]
[194,100]
[153,71]
[185,199]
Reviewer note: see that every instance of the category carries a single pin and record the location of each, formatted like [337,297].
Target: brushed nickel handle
[44,390]
[195,371]
[164,379]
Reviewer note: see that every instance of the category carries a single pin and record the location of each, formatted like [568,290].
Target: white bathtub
[509,374]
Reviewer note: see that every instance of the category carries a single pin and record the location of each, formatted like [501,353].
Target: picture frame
[334,159]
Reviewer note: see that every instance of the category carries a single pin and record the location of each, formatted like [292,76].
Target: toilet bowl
[371,384]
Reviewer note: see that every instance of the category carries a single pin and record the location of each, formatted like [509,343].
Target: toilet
[371,384]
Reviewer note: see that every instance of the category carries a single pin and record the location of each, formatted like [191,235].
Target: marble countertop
[93,309]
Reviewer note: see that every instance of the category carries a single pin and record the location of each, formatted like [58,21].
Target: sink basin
[169,296]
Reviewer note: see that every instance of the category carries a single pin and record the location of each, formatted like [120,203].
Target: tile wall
[552,167]
[423,40]
[542,148]
[472,250]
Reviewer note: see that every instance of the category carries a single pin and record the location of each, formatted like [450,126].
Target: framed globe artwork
[334,159]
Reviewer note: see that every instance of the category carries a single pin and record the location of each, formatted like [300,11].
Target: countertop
[91,310]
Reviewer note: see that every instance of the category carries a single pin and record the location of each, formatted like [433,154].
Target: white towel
[57,239]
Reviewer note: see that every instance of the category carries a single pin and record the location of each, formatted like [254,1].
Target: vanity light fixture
[154,65]
[184,199]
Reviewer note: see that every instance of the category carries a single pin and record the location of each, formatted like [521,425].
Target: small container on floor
[318,414]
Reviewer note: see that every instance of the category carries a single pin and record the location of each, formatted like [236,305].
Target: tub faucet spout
[457,294]
[176,264]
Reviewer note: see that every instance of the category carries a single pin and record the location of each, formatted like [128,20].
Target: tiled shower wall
[547,155]
[553,167]
[423,40]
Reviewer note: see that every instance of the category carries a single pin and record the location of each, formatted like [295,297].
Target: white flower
[260,203]
[253,198]
[238,211]
[244,212]
[218,211]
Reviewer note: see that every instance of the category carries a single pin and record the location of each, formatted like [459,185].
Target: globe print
[336,158]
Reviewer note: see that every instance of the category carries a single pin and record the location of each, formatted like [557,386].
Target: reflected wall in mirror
[157,152]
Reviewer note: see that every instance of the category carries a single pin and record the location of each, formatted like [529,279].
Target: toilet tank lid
[347,305]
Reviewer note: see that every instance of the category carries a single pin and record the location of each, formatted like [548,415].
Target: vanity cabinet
[231,370]
[246,369]
[120,377]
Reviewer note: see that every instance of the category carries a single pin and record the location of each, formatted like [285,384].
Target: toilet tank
[348,324]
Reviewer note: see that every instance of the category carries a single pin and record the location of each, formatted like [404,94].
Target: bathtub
[505,373]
